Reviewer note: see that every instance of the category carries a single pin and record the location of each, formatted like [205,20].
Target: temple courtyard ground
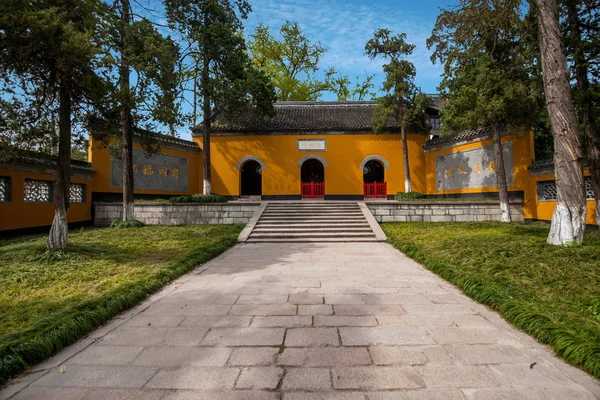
[306,321]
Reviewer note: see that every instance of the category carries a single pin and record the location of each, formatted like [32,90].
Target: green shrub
[409,196]
[120,224]
[199,198]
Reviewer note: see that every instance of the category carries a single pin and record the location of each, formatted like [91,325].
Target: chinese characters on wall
[155,172]
[472,169]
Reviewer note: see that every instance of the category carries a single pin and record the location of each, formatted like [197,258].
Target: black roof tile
[41,159]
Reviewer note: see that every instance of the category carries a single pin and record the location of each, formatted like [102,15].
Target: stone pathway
[291,321]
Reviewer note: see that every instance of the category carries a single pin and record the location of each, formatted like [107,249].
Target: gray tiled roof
[459,137]
[303,116]
[541,164]
[166,139]
[42,160]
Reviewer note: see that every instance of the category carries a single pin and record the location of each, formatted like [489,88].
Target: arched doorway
[251,179]
[374,179]
[312,176]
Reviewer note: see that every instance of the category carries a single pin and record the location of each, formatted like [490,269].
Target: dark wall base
[42,229]
[516,195]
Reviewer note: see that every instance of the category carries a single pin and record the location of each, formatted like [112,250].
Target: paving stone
[277,321]
[95,376]
[526,394]
[265,310]
[136,336]
[404,355]
[248,356]
[221,395]
[244,337]
[47,393]
[262,299]
[460,376]
[19,383]
[423,320]
[473,321]
[448,298]
[129,394]
[321,309]
[452,335]
[292,357]
[144,320]
[376,378]
[305,299]
[181,336]
[259,378]
[370,309]
[396,299]
[106,355]
[298,337]
[334,320]
[438,309]
[337,356]
[391,320]
[310,379]
[228,321]
[194,378]
[489,354]
[345,299]
[170,356]
[540,376]
[323,396]
[179,308]
[418,394]
[386,335]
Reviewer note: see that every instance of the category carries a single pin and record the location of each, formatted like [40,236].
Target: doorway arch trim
[243,160]
[311,156]
[374,157]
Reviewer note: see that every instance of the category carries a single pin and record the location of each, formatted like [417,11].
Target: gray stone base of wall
[178,213]
[443,211]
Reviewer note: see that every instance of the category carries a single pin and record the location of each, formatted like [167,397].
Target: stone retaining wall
[179,213]
[446,211]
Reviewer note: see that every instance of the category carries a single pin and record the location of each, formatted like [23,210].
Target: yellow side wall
[100,159]
[18,214]
[344,154]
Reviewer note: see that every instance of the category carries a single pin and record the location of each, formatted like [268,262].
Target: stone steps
[312,222]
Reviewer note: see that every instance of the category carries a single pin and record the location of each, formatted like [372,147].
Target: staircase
[320,221]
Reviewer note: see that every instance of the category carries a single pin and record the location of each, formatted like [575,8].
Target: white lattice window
[589,192]
[37,191]
[77,193]
[547,189]
[4,189]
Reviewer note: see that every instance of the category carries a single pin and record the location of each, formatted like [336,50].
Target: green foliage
[402,99]
[490,66]
[340,85]
[409,196]
[550,292]
[199,198]
[120,224]
[50,302]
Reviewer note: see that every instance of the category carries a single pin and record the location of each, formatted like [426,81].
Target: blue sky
[344,26]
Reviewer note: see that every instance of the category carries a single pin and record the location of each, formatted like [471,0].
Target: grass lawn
[50,299]
[552,293]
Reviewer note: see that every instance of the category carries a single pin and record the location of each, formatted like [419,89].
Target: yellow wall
[100,159]
[18,214]
[523,155]
[542,210]
[344,154]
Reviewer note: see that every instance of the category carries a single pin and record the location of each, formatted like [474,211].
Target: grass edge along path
[566,341]
[50,335]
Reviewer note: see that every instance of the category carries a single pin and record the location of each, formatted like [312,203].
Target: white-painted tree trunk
[59,232]
[598,212]
[568,225]
[407,186]
[128,211]
[206,187]
[505,212]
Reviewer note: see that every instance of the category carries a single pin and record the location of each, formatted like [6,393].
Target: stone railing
[441,211]
[179,213]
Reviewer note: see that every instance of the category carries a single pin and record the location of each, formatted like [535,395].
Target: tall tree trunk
[207,189]
[126,127]
[568,220]
[501,176]
[59,232]
[592,140]
[407,181]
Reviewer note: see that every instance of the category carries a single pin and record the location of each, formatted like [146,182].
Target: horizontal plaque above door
[312,145]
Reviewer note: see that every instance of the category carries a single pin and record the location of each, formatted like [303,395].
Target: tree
[49,58]
[402,100]
[487,70]
[340,85]
[568,219]
[581,29]
[137,47]
[290,62]
[227,81]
